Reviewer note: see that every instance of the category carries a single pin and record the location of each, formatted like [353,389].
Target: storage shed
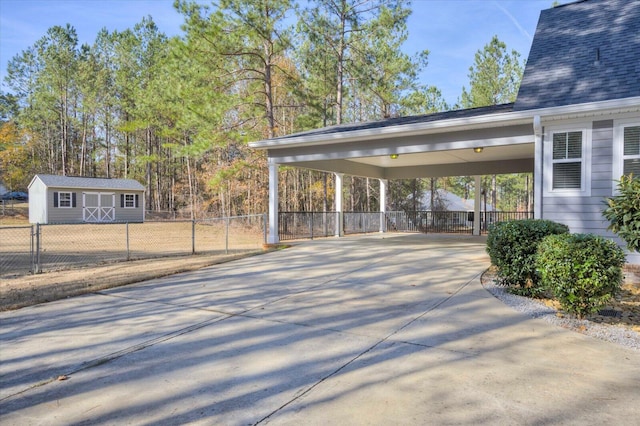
[70,199]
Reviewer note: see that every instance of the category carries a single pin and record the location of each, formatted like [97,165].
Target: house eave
[589,110]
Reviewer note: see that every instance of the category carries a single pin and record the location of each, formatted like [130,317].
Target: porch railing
[301,225]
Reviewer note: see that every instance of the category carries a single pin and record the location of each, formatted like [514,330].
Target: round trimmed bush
[582,270]
[512,247]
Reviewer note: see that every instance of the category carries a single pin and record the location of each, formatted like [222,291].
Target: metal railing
[301,225]
[362,222]
[40,248]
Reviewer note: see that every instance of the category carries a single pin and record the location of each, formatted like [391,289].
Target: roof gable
[88,183]
[582,52]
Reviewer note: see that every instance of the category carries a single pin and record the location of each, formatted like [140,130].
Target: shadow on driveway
[377,329]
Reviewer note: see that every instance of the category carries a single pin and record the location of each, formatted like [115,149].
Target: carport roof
[403,121]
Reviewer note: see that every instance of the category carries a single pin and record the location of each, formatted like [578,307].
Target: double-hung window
[64,199]
[631,151]
[129,201]
[626,148]
[568,162]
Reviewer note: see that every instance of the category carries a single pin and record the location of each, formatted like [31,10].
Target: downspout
[538,167]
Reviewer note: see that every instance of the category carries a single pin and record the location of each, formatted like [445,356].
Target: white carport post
[476,205]
[383,205]
[273,237]
[339,207]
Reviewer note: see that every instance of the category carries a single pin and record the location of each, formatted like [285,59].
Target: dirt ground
[30,290]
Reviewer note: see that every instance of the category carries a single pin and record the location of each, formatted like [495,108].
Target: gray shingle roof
[90,183]
[398,121]
[585,51]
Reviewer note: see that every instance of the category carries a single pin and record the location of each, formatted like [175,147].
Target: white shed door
[98,207]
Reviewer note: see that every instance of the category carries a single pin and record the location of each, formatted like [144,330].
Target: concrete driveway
[381,329]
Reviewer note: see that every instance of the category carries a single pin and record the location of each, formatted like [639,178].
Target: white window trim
[585,172]
[60,206]
[618,148]
[133,201]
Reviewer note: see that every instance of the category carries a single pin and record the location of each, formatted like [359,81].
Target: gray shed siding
[44,189]
[135,214]
[75,214]
[584,214]
[64,215]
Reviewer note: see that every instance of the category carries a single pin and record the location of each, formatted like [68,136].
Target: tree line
[176,113]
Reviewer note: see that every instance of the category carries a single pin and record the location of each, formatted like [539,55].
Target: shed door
[98,207]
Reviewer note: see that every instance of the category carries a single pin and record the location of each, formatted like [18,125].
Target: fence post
[127,233]
[193,236]
[311,224]
[226,236]
[31,247]
[37,266]
[264,228]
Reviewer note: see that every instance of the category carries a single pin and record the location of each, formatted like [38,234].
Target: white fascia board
[490,120]
[33,179]
[441,126]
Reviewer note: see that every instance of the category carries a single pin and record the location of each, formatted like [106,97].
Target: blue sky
[451,30]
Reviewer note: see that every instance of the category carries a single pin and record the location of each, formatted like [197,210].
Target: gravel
[536,309]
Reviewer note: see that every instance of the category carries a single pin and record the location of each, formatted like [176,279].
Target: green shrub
[583,271]
[623,212]
[512,248]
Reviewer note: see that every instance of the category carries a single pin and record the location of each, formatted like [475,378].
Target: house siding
[584,214]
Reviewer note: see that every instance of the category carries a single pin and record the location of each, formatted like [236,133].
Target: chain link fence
[43,248]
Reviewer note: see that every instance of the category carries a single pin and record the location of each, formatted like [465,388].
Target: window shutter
[73,199]
[137,202]
[55,199]
[121,200]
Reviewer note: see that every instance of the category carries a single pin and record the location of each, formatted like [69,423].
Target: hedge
[512,247]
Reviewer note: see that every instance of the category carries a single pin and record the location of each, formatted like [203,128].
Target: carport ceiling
[460,162]
[468,155]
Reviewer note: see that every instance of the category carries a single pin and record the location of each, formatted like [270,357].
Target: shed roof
[586,51]
[89,183]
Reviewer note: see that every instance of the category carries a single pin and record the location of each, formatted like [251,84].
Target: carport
[471,142]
